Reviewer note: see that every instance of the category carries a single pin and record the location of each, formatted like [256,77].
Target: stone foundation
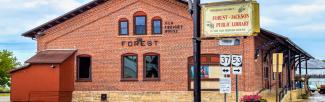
[150,96]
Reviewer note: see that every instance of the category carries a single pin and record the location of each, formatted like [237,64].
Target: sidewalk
[4,98]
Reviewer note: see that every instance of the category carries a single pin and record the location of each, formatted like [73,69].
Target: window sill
[208,79]
[152,79]
[126,80]
[136,36]
[83,80]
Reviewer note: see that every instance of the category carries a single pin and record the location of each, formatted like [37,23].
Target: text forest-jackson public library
[139,50]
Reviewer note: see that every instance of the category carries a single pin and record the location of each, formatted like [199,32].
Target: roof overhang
[51,56]
[31,33]
[286,41]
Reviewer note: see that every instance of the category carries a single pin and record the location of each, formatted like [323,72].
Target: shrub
[253,98]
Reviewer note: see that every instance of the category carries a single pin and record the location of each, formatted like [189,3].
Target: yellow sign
[230,20]
[277,62]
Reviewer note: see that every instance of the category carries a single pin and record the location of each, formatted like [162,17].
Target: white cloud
[30,4]
[308,8]
[268,21]
[19,16]
[311,28]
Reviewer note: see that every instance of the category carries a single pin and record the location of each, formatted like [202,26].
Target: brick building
[141,50]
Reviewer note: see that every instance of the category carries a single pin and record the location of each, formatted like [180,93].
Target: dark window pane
[84,67]
[157,27]
[130,67]
[152,66]
[124,28]
[140,25]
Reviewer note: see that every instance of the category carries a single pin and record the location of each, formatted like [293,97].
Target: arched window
[123,26]
[151,66]
[129,66]
[140,23]
[156,25]
[84,67]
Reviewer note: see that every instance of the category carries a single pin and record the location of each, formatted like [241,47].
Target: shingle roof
[51,56]
[20,68]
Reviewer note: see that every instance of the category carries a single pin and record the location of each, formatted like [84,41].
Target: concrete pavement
[316,97]
[4,99]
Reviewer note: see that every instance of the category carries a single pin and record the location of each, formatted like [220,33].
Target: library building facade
[141,51]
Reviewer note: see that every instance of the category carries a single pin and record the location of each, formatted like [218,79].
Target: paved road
[4,99]
[316,98]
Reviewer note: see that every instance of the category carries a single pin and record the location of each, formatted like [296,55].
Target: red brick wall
[26,84]
[95,32]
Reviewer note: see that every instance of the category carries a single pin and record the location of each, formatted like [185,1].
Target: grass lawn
[4,94]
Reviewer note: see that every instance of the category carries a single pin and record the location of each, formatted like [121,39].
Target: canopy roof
[51,56]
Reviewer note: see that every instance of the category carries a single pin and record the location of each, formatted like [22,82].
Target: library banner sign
[230,19]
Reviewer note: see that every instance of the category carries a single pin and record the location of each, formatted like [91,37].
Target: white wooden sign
[225,85]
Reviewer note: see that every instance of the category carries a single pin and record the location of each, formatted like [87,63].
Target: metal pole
[299,64]
[236,88]
[306,66]
[289,69]
[225,97]
[197,50]
[306,76]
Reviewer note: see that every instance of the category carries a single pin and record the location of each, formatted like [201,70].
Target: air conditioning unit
[229,42]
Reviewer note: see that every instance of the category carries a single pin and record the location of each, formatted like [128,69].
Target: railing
[283,92]
[50,96]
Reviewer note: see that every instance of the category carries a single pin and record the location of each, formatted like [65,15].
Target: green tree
[7,62]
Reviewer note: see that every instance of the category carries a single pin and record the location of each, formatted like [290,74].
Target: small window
[156,25]
[151,66]
[140,23]
[84,68]
[123,27]
[129,67]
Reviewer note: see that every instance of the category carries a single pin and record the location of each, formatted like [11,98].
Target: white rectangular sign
[225,85]
[228,20]
[225,70]
[237,70]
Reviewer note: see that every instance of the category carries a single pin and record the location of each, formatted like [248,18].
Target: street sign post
[237,62]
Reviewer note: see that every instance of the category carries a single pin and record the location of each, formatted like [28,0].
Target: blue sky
[300,20]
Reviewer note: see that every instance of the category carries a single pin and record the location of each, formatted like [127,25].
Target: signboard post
[236,62]
[233,62]
[225,63]
[230,19]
